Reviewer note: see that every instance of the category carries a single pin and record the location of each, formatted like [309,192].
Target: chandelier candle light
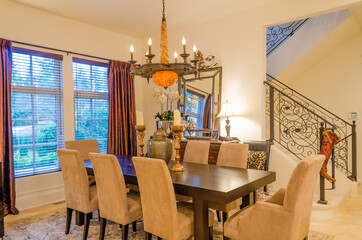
[227,111]
[178,129]
[164,73]
[140,127]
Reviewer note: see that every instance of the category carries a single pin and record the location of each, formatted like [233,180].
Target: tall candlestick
[139,118]
[149,45]
[195,50]
[184,44]
[132,50]
[178,130]
[176,117]
[141,135]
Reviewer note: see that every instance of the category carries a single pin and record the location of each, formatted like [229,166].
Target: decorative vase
[160,146]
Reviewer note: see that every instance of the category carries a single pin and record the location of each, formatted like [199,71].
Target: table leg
[246,201]
[79,218]
[201,219]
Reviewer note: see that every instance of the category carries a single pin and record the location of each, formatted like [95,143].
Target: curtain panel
[207,113]
[6,140]
[122,137]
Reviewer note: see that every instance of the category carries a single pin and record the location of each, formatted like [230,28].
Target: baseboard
[39,197]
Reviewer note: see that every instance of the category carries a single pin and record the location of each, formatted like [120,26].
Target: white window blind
[37,111]
[195,107]
[91,101]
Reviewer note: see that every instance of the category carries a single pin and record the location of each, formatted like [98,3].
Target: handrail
[299,118]
[309,100]
[333,126]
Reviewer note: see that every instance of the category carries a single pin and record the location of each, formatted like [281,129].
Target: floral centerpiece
[165,96]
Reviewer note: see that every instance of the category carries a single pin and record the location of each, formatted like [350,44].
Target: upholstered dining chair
[286,215]
[84,147]
[230,155]
[162,216]
[79,195]
[115,203]
[197,152]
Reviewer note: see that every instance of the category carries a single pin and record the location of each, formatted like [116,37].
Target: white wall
[24,24]
[335,83]
[238,42]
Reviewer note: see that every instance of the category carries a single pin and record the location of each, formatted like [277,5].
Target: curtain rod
[60,50]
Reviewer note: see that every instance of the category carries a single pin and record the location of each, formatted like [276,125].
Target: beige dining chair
[84,147]
[79,195]
[162,216]
[286,215]
[115,204]
[230,155]
[197,152]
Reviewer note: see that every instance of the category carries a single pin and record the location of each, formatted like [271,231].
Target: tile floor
[346,225]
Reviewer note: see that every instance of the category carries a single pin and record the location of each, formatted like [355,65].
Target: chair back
[76,184]
[300,191]
[197,152]
[260,146]
[111,187]
[233,155]
[84,147]
[157,196]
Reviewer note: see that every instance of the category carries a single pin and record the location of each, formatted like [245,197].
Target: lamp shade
[227,110]
[165,78]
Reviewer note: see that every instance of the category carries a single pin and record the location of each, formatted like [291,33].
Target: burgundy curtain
[122,137]
[6,139]
[207,113]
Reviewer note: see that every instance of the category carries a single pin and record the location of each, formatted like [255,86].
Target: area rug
[51,226]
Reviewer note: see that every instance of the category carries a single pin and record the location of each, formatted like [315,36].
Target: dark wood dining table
[204,183]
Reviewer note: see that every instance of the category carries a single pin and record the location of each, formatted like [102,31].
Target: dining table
[204,183]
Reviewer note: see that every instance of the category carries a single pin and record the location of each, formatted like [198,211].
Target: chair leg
[124,232]
[103,228]
[211,233]
[87,218]
[254,197]
[224,218]
[218,214]
[158,238]
[99,216]
[148,236]
[134,226]
[69,220]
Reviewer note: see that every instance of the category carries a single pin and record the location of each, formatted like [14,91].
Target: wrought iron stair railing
[296,122]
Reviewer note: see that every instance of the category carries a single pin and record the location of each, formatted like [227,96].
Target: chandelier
[164,73]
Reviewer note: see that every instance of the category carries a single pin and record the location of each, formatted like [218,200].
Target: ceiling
[141,18]
[357,12]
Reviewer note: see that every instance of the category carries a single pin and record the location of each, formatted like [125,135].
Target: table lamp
[227,111]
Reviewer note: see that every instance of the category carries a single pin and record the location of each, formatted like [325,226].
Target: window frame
[88,95]
[58,93]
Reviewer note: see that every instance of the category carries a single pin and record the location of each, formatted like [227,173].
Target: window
[91,101]
[195,107]
[36,108]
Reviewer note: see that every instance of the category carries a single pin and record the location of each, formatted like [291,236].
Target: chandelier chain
[163,8]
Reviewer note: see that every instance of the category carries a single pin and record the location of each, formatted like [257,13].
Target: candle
[132,50]
[176,118]
[139,118]
[175,55]
[195,49]
[146,57]
[149,45]
[184,44]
